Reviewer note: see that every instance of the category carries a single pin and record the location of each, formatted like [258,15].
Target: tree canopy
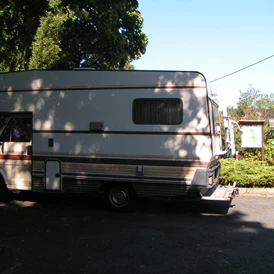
[253,105]
[65,34]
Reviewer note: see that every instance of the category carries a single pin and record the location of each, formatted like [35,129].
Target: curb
[268,192]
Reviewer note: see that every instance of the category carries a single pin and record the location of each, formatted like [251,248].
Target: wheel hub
[119,197]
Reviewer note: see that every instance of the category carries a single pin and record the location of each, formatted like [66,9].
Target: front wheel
[120,197]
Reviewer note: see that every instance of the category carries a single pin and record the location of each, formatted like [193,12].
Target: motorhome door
[53,175]
[15,145]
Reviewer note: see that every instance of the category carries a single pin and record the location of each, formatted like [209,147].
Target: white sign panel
[251,137]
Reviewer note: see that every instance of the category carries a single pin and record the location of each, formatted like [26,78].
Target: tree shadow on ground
[78,235]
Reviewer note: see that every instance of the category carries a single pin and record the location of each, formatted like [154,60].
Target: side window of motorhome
[15,129]
[158,111]
[216,120]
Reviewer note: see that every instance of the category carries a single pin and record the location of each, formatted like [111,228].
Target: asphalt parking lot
[78,235]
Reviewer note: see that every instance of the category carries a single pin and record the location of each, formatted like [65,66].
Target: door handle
[57,175]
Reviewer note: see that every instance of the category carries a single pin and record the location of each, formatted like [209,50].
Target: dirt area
[51,234]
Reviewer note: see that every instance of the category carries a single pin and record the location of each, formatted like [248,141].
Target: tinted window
[158,111]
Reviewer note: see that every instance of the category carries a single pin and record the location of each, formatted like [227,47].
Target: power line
[241,69]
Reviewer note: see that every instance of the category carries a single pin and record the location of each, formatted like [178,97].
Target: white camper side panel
[125,145]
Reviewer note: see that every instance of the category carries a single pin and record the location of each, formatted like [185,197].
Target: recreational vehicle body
[127,134]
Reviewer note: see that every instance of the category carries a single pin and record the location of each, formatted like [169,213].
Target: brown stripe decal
[15,157]
[113,161]
[124,132]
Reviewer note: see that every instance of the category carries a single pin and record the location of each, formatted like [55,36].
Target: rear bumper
[222,193]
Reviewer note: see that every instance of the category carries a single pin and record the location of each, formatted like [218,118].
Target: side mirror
[29,151]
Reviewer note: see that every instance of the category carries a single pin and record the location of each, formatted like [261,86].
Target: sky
[214,37]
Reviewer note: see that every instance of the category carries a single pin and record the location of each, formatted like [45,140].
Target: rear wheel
[120,197]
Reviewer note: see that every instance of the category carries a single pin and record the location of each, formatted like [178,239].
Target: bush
[247,173]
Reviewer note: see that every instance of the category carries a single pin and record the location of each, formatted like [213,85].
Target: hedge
[247,173]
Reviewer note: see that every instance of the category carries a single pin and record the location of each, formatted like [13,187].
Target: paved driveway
[80,236]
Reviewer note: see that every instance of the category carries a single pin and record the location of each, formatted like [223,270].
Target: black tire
[3,190]
[120,197]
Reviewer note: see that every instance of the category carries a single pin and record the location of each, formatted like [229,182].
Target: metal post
[232,139]
[262,142]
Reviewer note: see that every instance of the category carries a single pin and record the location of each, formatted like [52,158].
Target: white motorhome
[125,133]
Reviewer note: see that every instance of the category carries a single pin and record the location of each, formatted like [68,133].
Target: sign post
[253,134]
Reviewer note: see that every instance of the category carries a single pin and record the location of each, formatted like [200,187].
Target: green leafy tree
[47,45]
[253,105]
[19,22]
[63,34]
